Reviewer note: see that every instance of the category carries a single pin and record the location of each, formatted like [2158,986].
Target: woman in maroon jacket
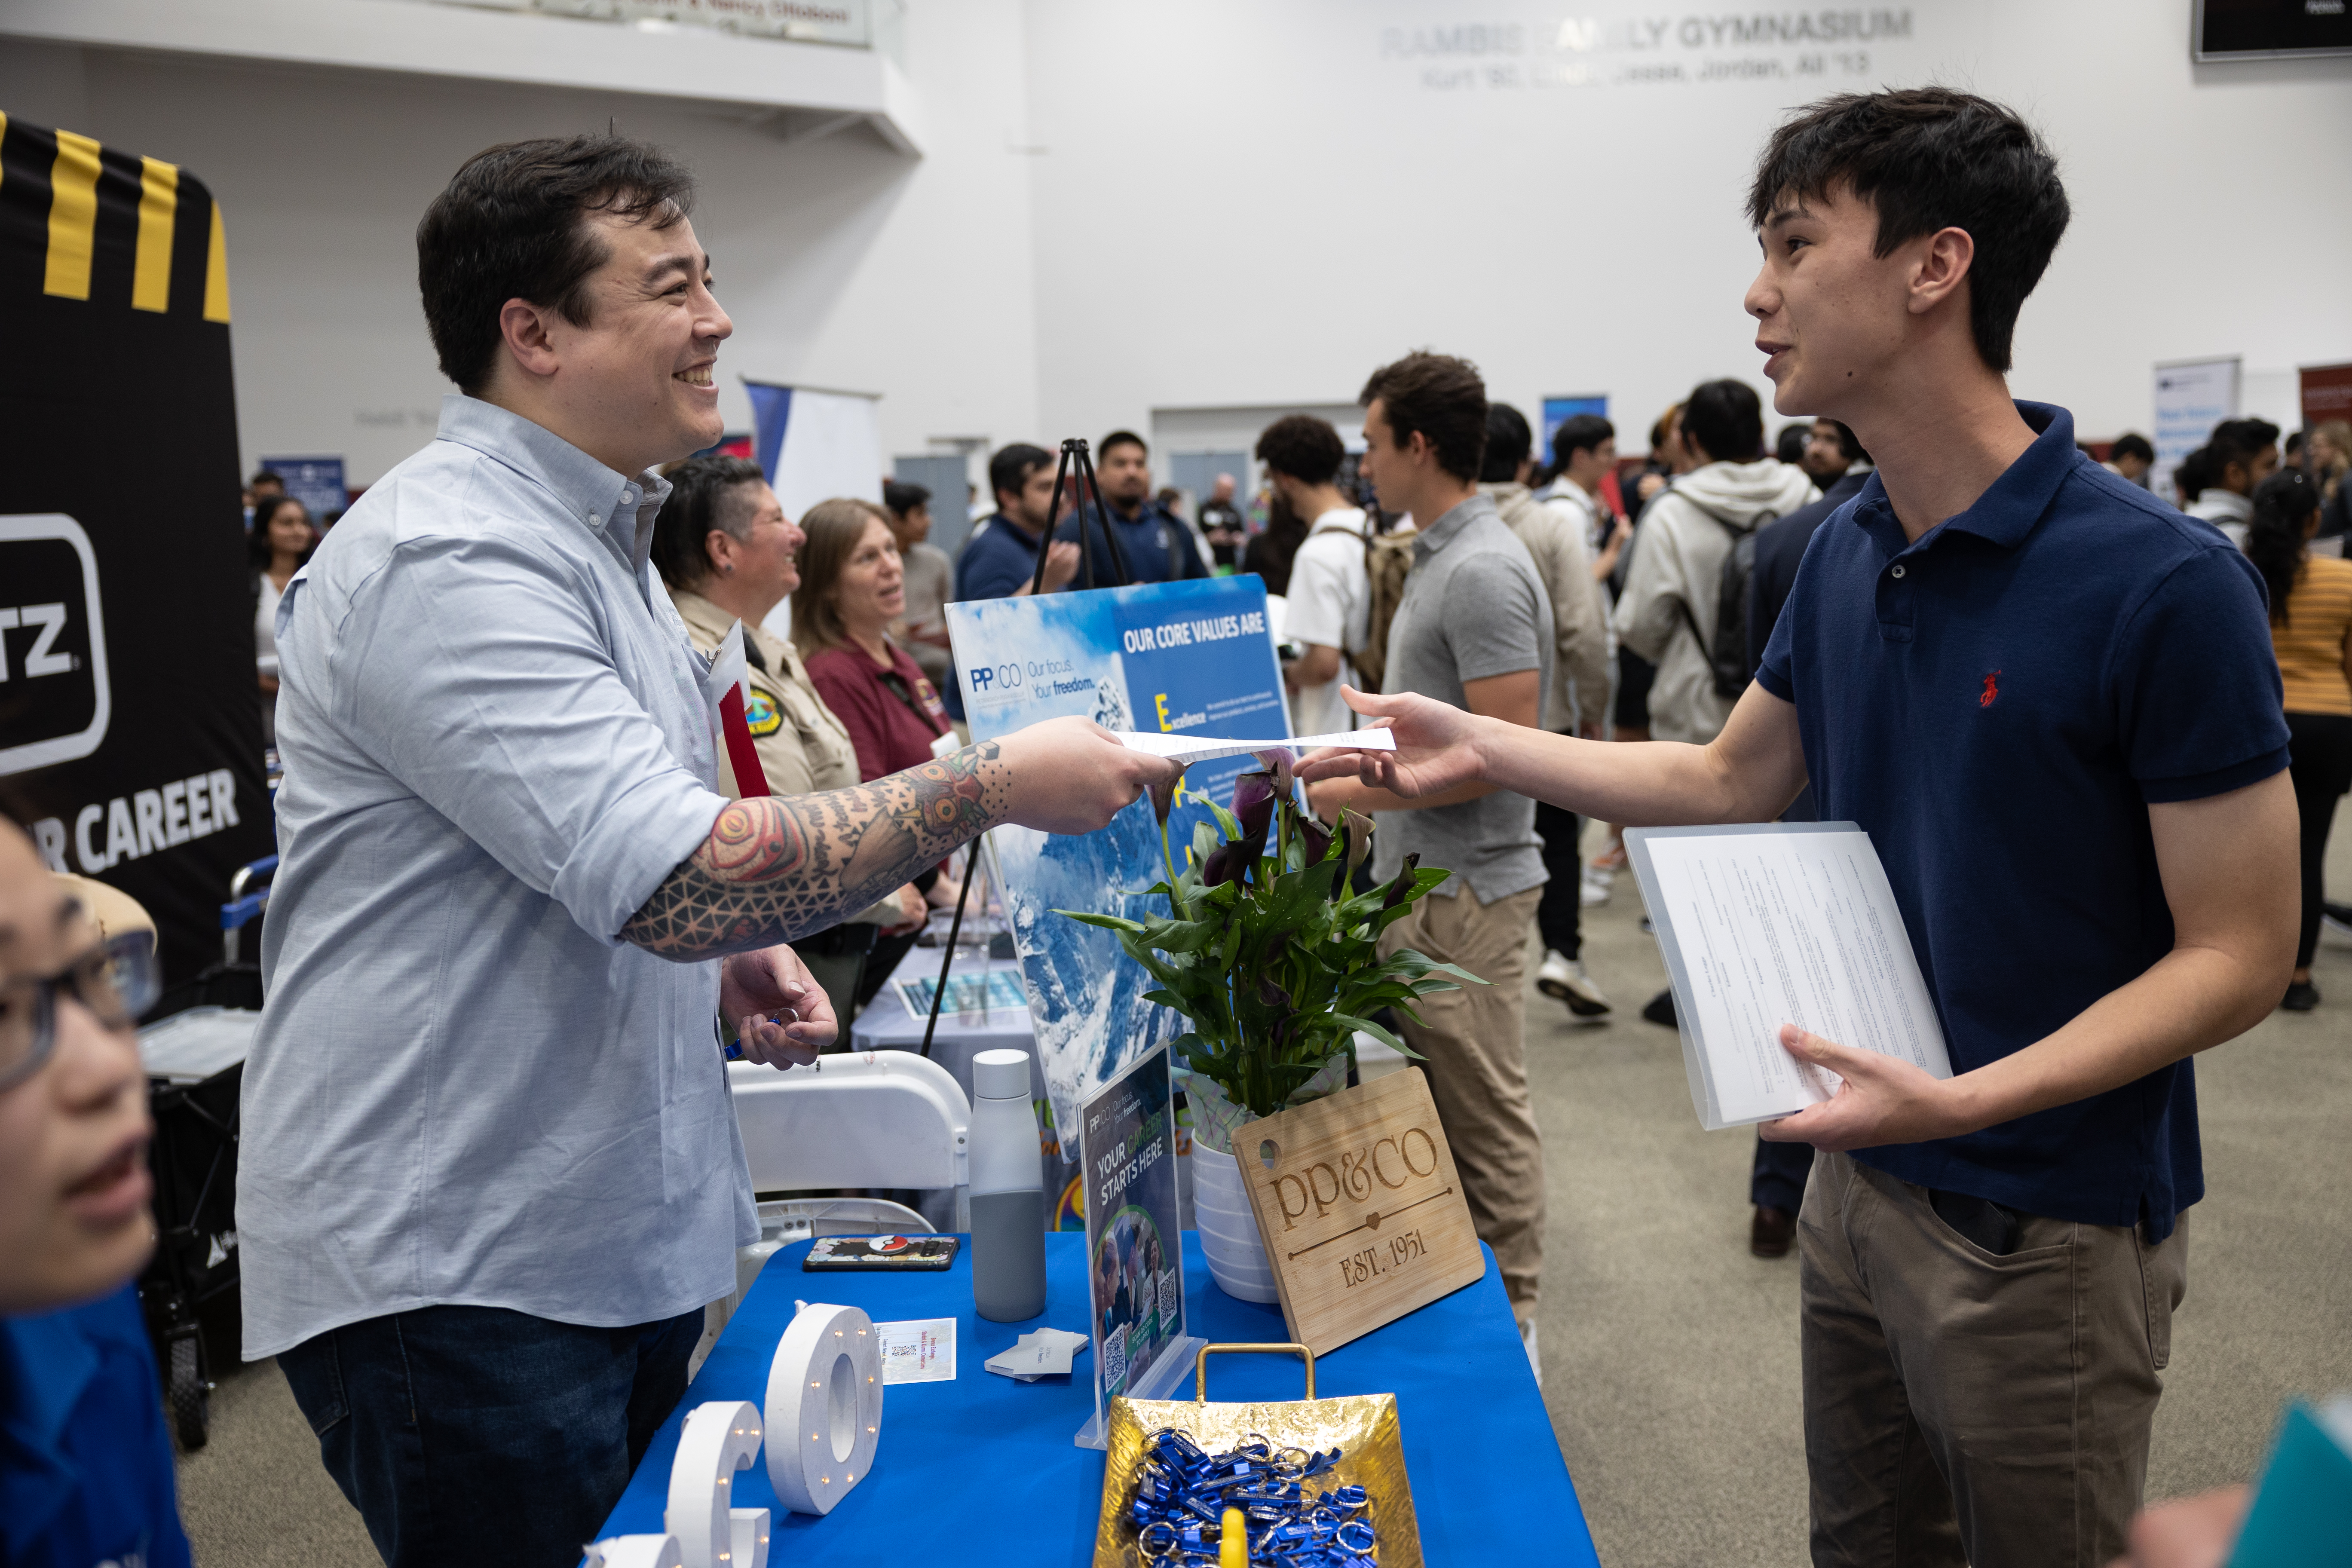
[852,588]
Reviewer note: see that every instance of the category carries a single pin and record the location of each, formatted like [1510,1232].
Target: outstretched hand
[1436,747]
[1072,775]
[1882,1099]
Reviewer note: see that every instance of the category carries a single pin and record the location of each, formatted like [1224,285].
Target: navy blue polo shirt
[1997,705]
[85,1463]
[1155,544]
[998,561]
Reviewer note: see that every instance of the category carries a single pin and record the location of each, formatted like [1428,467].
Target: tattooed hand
[775,868]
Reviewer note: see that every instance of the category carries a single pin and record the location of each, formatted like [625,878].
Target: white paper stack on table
[1763,924]
[1190,748]
[1043,1353]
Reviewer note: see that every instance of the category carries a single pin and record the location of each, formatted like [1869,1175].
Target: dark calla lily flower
[1273,996]
[1253,795]
[1279,762]
[1163,797]
[1404,883]
[1359,829]
[1316,838]
[1224,864]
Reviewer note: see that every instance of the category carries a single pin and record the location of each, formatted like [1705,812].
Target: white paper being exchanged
[1785,928]
[1190,748]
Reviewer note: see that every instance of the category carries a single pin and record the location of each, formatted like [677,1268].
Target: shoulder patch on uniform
[760,714]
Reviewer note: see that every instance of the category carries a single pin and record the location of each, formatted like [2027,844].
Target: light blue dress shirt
[467,1089]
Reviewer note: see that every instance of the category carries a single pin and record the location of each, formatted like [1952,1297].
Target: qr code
[1114,1359]
[1168,1297]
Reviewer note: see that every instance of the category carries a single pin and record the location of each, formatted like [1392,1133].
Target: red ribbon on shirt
[751,779]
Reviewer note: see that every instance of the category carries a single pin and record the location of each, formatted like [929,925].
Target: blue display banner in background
[1558,411]
[1190,658]
[316,482]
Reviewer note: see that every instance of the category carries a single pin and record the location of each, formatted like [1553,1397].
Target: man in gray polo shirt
[1473,629]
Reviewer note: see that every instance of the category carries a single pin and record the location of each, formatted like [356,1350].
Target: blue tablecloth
[988,1463]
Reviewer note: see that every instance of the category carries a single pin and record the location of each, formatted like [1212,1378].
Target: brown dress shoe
[1772,1230]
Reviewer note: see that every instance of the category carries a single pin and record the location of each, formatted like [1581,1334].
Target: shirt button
[1898,571]
[595,522]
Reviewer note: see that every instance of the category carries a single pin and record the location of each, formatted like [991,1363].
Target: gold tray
[1363,1427]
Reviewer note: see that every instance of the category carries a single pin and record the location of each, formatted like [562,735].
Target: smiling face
[1831,317]
[289,529]
[73,1186]
[638,382]
[870,591]
[766,560]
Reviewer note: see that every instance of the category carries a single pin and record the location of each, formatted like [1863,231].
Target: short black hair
[2282,504]
[902,497]
[2195,474]
[2238,441]
[1011,466]
[702,495]
[266,477]
[1510,442]
[2130,446]
[1580,433]
[1930,158]
[1304,448]
[512,224]
[1121,438]
[1789,445]
[1439,396]
[1849,447]
[1726,418]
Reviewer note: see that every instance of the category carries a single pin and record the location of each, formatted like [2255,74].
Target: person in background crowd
[1630,707]
[1829,451]
[1330,594]
[1789,447]
[265,482]
[280,545]
[726,552]
[2311,632]
[2190,477]
[2129,457]
[1472,630]
[2238,455]
[1672,593]
[852,588]
[86,1471]
[1274,548]
[1157,545]
[999,558]
[1579,689]
[2330,459]
[1221,525]
[1584,448]
[931,580]
[1776,1178]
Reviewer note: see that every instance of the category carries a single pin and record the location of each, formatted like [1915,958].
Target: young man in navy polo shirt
[2051,702]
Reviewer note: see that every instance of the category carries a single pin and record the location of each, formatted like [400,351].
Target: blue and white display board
[1190,659]
[2191,397]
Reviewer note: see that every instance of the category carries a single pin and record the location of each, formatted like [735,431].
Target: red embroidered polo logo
[1991,690]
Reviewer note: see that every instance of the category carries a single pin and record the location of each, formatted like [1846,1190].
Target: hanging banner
[1191,657]
[130,714]
[2191,397]
[2325,394]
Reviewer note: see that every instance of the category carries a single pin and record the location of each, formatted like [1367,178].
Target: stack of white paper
[1043,1352]
[1773,923]
[1190,748]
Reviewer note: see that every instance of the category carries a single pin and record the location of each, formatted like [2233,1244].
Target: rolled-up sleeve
[478,673]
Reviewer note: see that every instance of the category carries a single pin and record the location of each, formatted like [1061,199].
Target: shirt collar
[2013,503]
[1348,517]
[1442,533]
[609,503]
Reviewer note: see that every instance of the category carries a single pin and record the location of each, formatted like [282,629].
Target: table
[887,1025]
[983,1469]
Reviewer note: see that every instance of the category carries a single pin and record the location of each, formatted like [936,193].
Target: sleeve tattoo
[779,867]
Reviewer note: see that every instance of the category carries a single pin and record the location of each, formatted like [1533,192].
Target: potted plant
[1276,967]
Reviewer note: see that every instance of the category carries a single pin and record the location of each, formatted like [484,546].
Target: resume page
[1790,928]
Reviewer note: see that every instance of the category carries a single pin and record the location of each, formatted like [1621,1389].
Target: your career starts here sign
[1178,658]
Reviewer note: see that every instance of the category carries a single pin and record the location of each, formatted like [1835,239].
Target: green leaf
[1385,1036]
[1108,922]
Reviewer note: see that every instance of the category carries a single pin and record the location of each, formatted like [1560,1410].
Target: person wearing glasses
[85,1462]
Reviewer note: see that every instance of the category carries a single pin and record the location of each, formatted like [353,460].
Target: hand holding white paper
[720,1438]
[824,1406]
[636,1552]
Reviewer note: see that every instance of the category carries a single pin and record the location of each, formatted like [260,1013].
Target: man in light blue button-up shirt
[490,1173]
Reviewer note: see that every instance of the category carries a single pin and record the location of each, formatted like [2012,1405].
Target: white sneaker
[1564,979]
[1594,887]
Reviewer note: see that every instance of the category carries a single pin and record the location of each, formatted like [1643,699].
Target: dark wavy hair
[2282,504]
[705,494]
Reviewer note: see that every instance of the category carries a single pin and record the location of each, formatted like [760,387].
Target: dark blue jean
[1777,1178]
[474,1435]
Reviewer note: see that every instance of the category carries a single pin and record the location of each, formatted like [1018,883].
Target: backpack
[1387,558]
[1727,656]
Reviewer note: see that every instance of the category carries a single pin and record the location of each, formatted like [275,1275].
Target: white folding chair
[866,1119]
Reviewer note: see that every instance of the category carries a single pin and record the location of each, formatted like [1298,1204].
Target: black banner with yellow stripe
[130,718]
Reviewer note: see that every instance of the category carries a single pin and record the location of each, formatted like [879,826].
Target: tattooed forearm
[778,867]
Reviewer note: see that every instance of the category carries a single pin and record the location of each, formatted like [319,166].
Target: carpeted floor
[1669,1355]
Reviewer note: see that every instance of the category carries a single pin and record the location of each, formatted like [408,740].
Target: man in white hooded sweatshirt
[1668,611]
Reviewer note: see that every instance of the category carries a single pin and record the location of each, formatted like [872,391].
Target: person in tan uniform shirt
[726,552]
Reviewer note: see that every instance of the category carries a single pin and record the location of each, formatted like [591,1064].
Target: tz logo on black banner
[53,697]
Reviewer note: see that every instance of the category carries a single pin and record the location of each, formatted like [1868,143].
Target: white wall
[1130,205]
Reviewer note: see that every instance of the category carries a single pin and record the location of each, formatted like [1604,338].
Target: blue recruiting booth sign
[1191,657]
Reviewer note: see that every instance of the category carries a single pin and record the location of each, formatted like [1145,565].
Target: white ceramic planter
[1229,1235]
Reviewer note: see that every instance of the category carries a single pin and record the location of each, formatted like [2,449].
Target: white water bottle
[1008,1191]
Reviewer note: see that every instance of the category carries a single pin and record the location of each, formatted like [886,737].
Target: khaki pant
[1477,1071]
[1964,1408]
